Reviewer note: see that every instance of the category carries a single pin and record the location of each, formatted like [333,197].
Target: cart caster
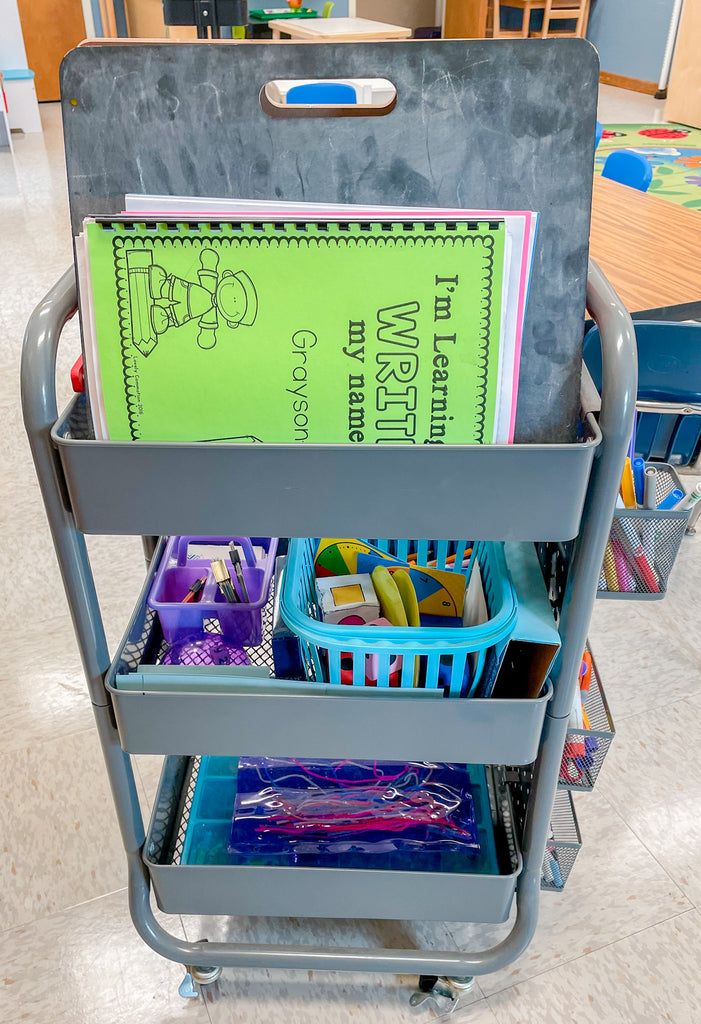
[443,992]
[200,981]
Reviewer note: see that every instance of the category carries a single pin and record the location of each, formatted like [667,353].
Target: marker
[649,540]
[627,485]
[548,877]
[555,868]
[574,746]
[626,582]
[625,533]
[693,517]
[650,496]
[689,500]
[671,501]
[639,479]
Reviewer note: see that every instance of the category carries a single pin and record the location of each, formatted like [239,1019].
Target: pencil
[610,568]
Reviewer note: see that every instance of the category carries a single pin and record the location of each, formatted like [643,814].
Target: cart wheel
[201,981]
[443,992]
[465,984]
[205,975]
[426,982]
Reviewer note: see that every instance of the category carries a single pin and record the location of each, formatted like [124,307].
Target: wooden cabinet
[465,19]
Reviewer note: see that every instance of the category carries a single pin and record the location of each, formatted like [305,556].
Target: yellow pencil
[610,568]
[628,486]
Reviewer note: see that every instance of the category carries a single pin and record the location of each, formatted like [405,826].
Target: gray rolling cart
[477,123]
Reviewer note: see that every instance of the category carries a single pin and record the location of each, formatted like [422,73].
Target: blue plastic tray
[209,829]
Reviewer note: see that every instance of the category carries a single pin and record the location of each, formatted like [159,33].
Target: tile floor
[620,945]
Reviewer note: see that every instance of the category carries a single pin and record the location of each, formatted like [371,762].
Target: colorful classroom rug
[674,152]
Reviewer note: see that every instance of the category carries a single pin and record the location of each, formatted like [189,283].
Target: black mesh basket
[564,842]
[563,846]
[643,545]
[585,750]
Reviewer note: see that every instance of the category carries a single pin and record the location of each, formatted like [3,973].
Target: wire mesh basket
[562,847]
[643,545]
[564,842]
[586,750]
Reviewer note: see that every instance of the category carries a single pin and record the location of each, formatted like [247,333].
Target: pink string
[348,782]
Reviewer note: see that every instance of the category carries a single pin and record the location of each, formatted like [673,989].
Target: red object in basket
[395,665]
[78,376]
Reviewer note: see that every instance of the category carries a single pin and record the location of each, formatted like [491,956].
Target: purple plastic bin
[239,623]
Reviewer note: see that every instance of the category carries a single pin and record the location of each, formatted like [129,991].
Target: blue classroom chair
[631,169]
[599,133]
[669,381]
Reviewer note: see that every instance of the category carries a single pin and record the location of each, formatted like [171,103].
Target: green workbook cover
[297,332]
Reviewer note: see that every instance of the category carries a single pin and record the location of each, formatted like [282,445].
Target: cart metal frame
[568,490]
[615,421]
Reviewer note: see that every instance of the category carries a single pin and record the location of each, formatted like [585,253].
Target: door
[50,28]
[684,90]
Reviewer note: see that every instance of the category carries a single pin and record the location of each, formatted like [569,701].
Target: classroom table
[337,30]
[649,249]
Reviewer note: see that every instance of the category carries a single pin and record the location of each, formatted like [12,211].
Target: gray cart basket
[566,491]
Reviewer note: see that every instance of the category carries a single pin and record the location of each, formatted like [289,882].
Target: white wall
[630,36]
[12,52]
[340,7]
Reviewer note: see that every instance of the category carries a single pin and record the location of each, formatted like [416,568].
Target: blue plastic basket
[443,651]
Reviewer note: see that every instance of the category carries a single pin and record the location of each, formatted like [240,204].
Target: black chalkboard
[477,123]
